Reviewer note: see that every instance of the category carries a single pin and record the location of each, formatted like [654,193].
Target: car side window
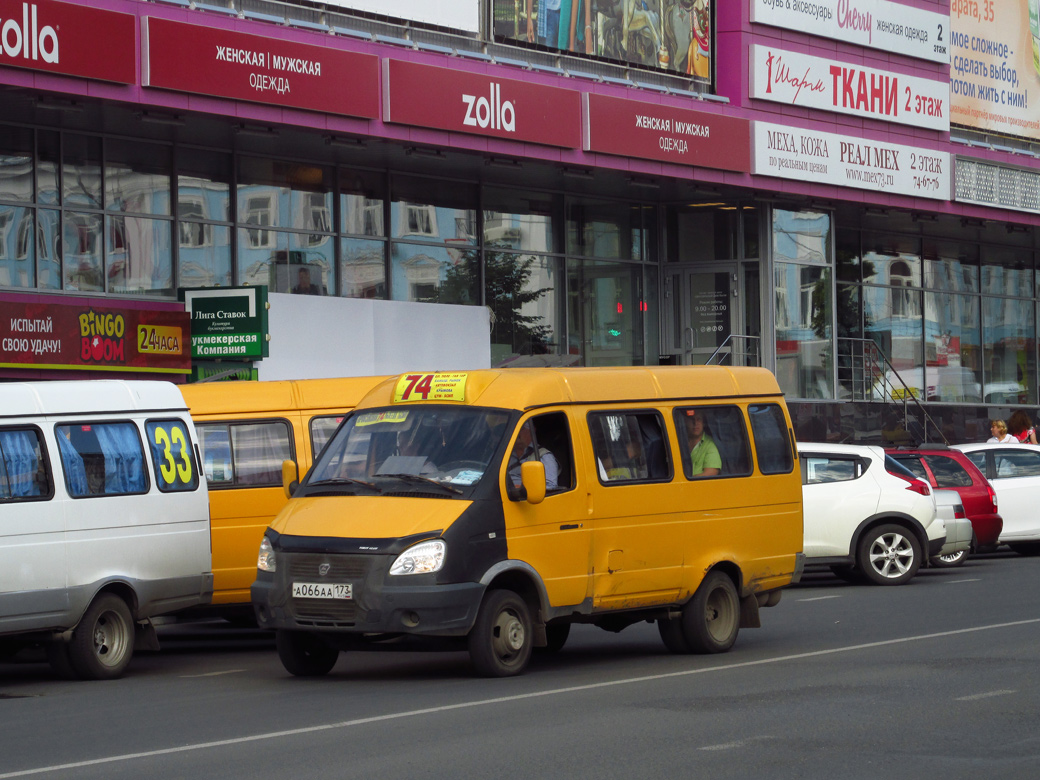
[629,446]
[713,441]
[948,472]
[24,471]
[1017,463]
[818,469]
[245,454]
[979,459]
[772,440]
[913,462]
[102,459]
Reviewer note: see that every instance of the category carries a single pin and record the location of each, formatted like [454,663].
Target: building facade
[847,193]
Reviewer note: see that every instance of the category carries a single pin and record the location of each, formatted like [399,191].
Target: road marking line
[820,598]
[211,674]
[737,743]
[975,696]
[345,724]
[954,582]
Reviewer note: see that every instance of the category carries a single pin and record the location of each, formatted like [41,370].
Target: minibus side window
[713,441]
[550,432]
[172,457]
[24,472]
[245,454]
[102,459]
[322,429]
[630,446]
[772,442]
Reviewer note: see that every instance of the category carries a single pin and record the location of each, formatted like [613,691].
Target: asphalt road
[938,678]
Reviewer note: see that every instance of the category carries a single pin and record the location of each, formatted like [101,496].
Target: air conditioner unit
[502,233]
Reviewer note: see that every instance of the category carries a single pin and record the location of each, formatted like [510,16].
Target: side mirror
[290,477]
[532,475]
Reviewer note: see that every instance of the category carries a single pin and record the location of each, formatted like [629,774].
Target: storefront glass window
[517,219]
[362,203]
[802,237]
[48,248]
[205,255]
[433,210]
[287,262]
[137,177]
[847,255]
[523,292]
[16,164]
[892,259]
[362,269]
[81,171]
[139,259]
[804,348]
[610,295]
[1009,350]
[278,193]
[893,318]
[1007,271]
[203,185]
[81,240]
[607,229]
[950,265]
[17,262]
[750,217]
[434,274]
[952,347]
[47,165]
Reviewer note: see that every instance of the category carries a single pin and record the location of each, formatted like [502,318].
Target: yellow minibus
[246,430]
[501,506]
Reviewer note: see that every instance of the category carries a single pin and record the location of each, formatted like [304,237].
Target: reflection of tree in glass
[847,312]
[506,278]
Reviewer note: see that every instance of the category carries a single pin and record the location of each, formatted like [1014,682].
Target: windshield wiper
[344,481]
[427,480]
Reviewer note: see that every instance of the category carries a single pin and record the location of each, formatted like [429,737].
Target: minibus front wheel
[501,639]
[304,655]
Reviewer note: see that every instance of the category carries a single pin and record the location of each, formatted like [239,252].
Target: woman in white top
[1000,433]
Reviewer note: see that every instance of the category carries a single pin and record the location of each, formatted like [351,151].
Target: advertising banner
[227,323]
[831,85]
[631,128]
[89,336]
[671,35]
[995,71]
[453,14]
[476,103]
[71,39]
[876,24]
[223,63]
[844,161]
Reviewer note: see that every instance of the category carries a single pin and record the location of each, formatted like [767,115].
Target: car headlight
[265,561]
[423,558]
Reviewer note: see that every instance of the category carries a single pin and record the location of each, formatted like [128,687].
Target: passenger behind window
[705,460]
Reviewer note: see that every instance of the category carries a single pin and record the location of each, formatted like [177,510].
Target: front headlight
[265,561]
[423,558]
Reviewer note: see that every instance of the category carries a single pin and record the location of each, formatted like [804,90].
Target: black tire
[304,655]
[671,631]
[949,561]
[711,619]
[500,641]
[103,642]
[848,574]
[889,554]
[555,637]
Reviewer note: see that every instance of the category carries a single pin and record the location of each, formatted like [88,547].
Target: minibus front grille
[341,567]
[317,612]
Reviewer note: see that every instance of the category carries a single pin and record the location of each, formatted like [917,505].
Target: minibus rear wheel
[303,654]
[711,619]
[103,642]
[500,641]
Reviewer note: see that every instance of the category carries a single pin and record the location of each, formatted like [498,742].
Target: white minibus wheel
[103,642]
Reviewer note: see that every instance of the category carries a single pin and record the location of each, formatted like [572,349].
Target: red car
[942,467]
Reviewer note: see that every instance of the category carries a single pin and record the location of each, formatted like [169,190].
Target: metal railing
[749,353]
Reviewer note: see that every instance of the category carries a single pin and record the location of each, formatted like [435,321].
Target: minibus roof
[528,388]
[88,396]
[280,396]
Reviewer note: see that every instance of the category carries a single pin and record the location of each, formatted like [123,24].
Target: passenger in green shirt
[704,455]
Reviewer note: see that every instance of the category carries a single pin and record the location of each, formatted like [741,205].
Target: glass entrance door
[703,311]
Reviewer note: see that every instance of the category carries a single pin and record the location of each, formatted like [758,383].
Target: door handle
[570,526]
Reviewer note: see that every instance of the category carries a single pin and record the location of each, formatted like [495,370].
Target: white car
[862,520]
[949,507]
[1014,472]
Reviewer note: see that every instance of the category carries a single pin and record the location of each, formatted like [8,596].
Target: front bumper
[410,604]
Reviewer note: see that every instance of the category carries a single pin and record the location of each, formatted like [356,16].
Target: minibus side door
[553,536]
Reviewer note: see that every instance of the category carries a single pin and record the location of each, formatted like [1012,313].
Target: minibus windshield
[420,449]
